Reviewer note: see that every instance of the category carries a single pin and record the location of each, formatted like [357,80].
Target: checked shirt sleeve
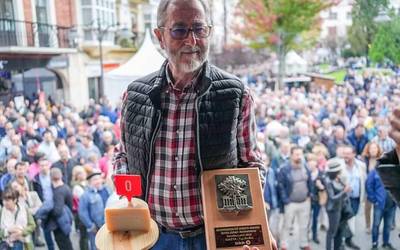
[120,161]
[248,151]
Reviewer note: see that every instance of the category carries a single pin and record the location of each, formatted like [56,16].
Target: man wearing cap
[92,205]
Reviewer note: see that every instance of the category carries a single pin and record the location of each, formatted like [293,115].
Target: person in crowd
[295,190]
[271,198]
[283,155]
[5,142]
[319,194]
[337,194]
[42,186]
[48,147]
[372,152]
[107,140]
[59,218]
[34,167]
[31,134]
[79,184]
[106,167]
[386,143]
[3,121]
[322,154]
[89,148]
[358,139]
[355,176]
[75,147]
[16,143]
[9,175]
[384,210]
[339,138]
[65,164]
[92,204]
[30,200]
[31,149]
[16,223]
[20,175]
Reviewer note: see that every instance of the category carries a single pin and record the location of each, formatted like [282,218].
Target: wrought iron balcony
[33,34]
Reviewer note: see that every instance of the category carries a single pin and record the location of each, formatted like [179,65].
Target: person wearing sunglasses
[188,117]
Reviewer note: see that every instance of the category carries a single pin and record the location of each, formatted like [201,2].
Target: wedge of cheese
[122,216]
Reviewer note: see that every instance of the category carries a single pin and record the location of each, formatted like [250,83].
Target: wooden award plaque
[234,210]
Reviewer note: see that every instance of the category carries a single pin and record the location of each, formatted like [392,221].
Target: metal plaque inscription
[238,236]
[233,193]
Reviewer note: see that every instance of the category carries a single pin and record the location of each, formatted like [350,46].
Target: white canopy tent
[295,64]
[145,61]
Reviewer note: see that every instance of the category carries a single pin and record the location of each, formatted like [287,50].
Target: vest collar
[161,81]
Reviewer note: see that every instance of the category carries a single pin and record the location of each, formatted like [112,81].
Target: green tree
[281,25]
[386,43]
[362,32]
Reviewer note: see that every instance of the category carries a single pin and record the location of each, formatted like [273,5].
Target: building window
[332,15]
[6,9]
[88,35]
[41,11]
[349,15]
[332,31]
[86,2]
[93,84]
[87,16]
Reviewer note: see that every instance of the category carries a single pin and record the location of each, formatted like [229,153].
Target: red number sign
[128,185]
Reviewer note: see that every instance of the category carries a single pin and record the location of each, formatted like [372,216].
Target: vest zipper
[198,125]
[198,133]
[156,130]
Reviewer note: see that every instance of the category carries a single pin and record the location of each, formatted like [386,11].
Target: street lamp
[101,32]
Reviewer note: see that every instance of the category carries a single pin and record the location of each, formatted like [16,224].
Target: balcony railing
[33,34]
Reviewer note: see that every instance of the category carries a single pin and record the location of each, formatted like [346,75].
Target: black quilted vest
[218,107]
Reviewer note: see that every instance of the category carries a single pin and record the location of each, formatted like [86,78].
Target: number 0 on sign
[128,185]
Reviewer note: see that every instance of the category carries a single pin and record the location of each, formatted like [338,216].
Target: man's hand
[273,244]
[395,131]
[347,189]
[246,247]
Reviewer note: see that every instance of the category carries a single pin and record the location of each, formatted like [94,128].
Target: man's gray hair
[163,6]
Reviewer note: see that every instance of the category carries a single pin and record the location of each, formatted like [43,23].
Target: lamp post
[121,33]
[100,35]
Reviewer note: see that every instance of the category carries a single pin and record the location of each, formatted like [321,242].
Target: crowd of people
[320,147]
[56,168]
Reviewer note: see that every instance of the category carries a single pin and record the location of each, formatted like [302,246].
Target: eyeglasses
[181,33]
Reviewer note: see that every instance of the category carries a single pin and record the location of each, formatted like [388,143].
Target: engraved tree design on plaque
[234,198]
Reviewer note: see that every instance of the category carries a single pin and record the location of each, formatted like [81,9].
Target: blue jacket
[64,222]
[376,192]
[285,183]
[358,143]
[91,207]
[271,189]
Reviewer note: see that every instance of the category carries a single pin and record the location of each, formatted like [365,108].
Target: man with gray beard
[186,118]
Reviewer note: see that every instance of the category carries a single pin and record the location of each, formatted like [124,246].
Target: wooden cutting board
[129,240]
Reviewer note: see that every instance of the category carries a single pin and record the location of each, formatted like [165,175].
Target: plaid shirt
[174,196]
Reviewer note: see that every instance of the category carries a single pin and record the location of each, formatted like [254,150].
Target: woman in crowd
[371,154]
[319,197]
[16,223]
[337,193]
[78,184]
